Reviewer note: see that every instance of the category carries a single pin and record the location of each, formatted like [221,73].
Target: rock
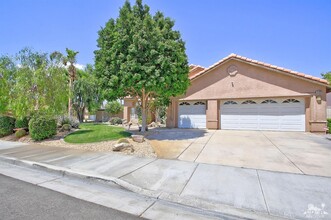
[123,147]
[123,140]
[153,125]
[138,138]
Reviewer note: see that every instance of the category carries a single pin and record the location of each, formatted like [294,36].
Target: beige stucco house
[244,94]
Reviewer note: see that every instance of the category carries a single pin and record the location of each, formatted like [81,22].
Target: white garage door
[192,115]
[267,114]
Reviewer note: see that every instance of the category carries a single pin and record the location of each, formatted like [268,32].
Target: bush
[72,121]
[329,125]
[20,133]
[22,122]
[66,127]
[42,127]
[7,124]
[114,107]
[115,121]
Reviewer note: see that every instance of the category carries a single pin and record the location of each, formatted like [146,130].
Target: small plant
[22,122]
[42,127]
[7,124]
[73,122]
[329,125]
[66,127]
[20,133]
[115,121]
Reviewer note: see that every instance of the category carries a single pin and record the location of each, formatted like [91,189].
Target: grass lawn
[91,132]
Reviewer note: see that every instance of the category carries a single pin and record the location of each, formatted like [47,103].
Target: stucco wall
[252,81]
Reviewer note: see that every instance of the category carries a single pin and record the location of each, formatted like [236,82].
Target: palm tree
[70,59]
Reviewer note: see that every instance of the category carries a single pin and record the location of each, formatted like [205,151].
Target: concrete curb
[212,208]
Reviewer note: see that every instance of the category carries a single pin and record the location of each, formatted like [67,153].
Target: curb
[209,207]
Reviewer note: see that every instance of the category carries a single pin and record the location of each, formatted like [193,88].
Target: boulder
[123,147]
[138,138]
[123,140]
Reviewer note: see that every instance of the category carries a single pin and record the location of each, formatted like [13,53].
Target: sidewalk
[236,191]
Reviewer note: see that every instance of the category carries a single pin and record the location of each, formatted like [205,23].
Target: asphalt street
[21,200]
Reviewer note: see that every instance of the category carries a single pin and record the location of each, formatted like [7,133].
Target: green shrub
[7,124]
[115,121]
[73,122]
[66,127]
[329,125]
[22,122]
[20,133]
[42,127]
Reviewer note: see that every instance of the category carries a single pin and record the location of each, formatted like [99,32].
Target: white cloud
[80,66]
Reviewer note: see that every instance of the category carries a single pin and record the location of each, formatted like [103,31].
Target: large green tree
[140,55]
[327,76]
[39,85]
[7,79]
[86,92]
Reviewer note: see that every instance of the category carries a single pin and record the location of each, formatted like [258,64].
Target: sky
[295,34]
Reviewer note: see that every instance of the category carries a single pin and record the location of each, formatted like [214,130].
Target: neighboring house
[328,110]
[244,94]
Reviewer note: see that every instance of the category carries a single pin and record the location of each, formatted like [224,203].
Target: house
[244,94]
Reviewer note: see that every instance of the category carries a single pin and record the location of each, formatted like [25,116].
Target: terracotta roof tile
[234,56]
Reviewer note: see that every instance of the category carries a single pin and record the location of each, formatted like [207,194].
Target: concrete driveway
[293,152]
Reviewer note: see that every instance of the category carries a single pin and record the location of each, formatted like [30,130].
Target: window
[291,101]
[268,101]
[199,103]
[230,103]
[249,102]
[184,103]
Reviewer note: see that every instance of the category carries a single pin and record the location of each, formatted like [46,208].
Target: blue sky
[295,34]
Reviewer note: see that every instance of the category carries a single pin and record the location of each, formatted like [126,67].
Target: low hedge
[7,124]
[42,127]
[115,121]
[329,125]
[22,122]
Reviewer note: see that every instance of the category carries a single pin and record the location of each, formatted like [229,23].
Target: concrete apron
[220,189]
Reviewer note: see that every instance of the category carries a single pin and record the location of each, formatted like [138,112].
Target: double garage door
[266,114]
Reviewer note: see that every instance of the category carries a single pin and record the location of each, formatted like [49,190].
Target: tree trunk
[69,101]
[143,112]
[143,119]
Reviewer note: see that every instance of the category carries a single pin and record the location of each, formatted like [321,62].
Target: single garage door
[267,114]
[192,115]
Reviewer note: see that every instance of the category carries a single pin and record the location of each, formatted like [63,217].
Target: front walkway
[195,184]
[293,152]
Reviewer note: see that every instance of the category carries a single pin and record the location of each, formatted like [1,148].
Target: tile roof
[266,65]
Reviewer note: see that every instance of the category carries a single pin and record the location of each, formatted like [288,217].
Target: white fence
[328,112]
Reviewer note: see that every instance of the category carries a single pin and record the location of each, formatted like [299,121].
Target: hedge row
[7,124]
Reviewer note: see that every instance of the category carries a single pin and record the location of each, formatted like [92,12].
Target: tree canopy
[141,56]
[7,75]
[32,82]
[327,76]
[114,107]
[86,92]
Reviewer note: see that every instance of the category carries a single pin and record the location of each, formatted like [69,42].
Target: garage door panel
[259,116]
